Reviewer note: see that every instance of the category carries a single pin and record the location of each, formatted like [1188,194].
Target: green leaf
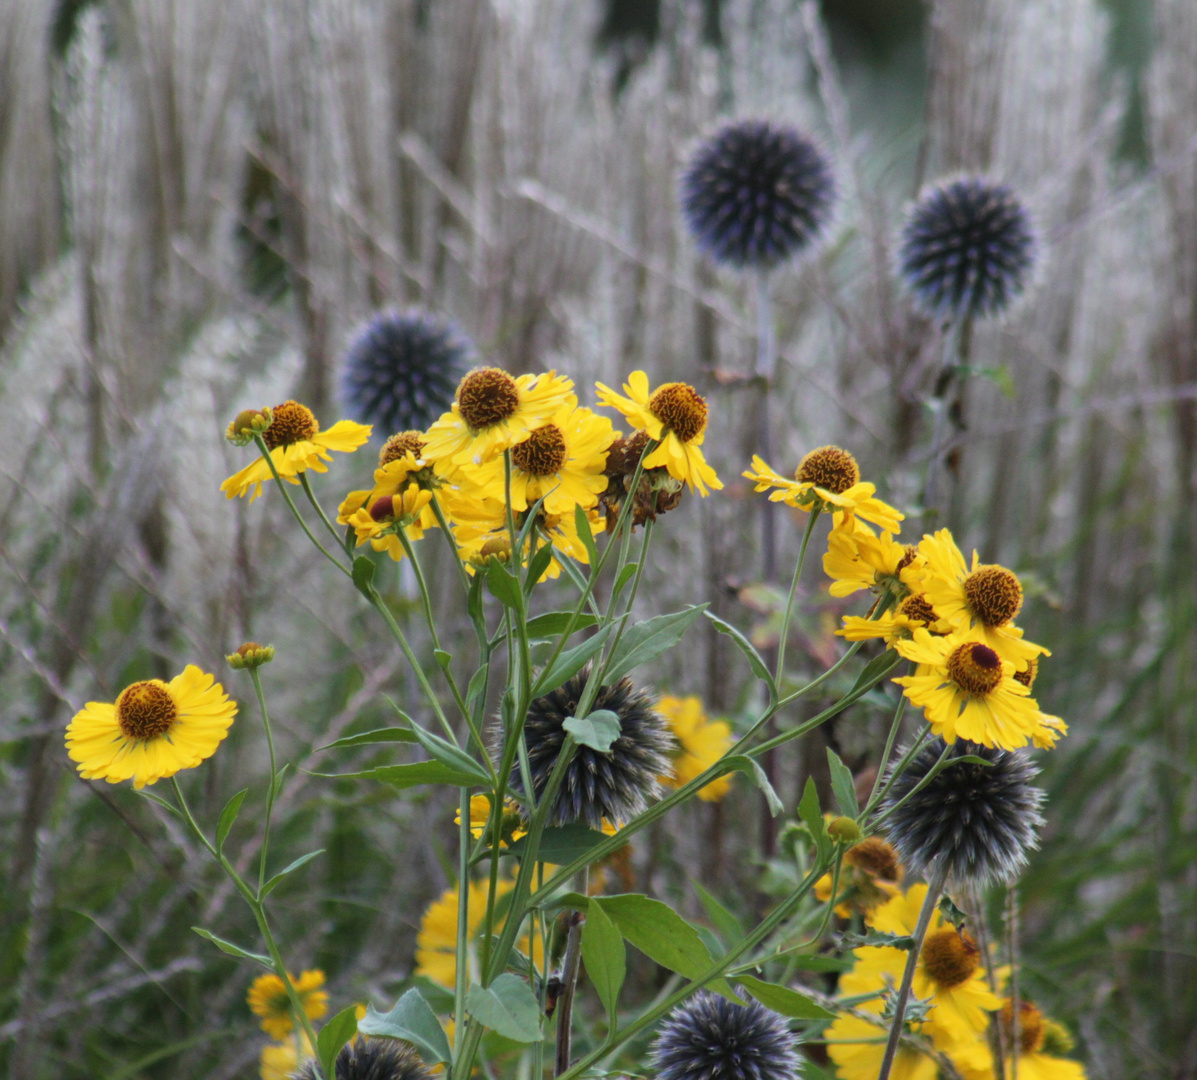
[781,999]
[412,1020]
[562,844]
[506,1006]
[569,663]
[474,604]
[625,575]
[537,565]
[662,935]
[335,1034]
[363,574]
[843,785]
[227,817]
[269,887]
[815,962]
[451,756]
[905,942]
[812,815]
[477,687]
[369,738]
[503,586]
[278,780]
[759,668]
[649,639]
[875,670]
[552,623]
[726,923]
[399,712]
[598,729]
[750,767]
[582,524]
[160,801]
[605,957]
[443,659]
[233,950]
[413,775]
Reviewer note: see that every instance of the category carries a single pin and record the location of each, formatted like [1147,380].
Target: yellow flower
[153,729]
[827,478]
[279,1061]
[702,742]
[492,412]
[968,691]
[511,823]
[869,877]
[268,999]
[912,613]
[296,444]
[386,516]
[857,558]
[985,598]
[1036,1061]
[399,464]
[675,416]
[858,1048]
[561,461]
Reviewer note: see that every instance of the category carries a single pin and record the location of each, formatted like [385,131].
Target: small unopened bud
[845,830]
[250,655]
[248,423]
[383,509]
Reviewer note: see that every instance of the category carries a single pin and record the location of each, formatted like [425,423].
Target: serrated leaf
[228,816]
[812,816]
[503,586]
[875,670]
[647,640]
[335,1034]
[745,646]
[598,729]
[569,663]
[231,949]
[582,525]
[842,785]
[752,769]
[451,756]
[781,999]
[370,738]
[561,844]
[553,623]
[363,574]
[507,1006]
[413,775]
[269,887]
[605,957]
[412,1020]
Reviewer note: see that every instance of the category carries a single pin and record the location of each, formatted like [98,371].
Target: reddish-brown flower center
[146,710]
[542,453]
[830,468]
[292,423]
[486,397]
[1032,1028]
[877,858]
[915,607]
[397,446]
[1027,675]
[949,957]
[975,668]
[384,509]
[994,594]
[681,409]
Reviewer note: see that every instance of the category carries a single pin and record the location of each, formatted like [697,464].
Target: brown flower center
[292,423]
[975,668]
[1032,1028]
[1027,675]
[876,858]
[830,468]
[542,453]
[681,409]
[994,594]
[397,446]
[486,397]
[909,551]
[383,509]
[146,710]
[916,607]
[949,958]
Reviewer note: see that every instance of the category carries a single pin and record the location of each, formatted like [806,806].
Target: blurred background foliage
[200,202]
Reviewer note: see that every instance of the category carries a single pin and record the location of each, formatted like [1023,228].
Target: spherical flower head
[978,821]
[248,423]
[372,1059]
[250,655]
[267,998]
[153,729]
[756,193]
[402,368]
[967,249]
[710,1038]
[617,785]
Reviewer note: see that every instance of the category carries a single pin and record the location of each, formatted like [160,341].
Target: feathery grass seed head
[755,193]
[979,820]
[372,1059]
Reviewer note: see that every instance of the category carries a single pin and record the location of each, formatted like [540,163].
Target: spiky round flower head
[709,1038]
[372,1059]
[967,249]
[756,193]
[980,820]
[402,369]
[617,785]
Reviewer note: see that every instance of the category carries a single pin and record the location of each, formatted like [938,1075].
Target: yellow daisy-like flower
[702,742]
[296,444]
[494,411]
[858,1048]
[827,478]
[675,416]
[386,516]
[279,1061]
[400,463]
[511,823]
[948,971]
[857,558]
[152,730]
[968,691]
[869,877]
[561,461]
[985,598]
[1037,1056]
[267,998]
[911,614]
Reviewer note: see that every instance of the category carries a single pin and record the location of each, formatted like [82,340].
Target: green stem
[443,521]
[342,541]
[894,727]
[785,625]
[253,674]
[461,976]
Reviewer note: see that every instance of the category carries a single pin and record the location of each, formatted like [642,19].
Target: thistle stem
[569,979]
[766,363]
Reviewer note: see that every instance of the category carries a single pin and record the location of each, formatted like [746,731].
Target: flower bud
[250,655]
[248,423]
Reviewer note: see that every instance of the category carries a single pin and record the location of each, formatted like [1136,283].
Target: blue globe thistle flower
[373,1059]
[709,1038]
[756,193]
[967,249]
[980,820]
[402,369]
[616,785]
